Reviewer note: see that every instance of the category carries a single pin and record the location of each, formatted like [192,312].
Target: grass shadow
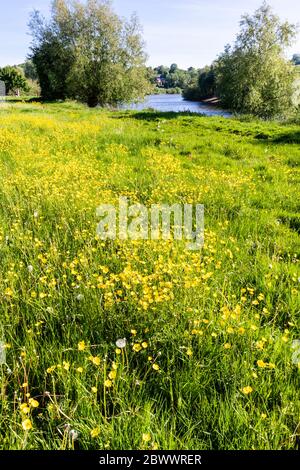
[288,138]
[149,115]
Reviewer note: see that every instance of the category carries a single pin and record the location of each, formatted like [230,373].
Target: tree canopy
[203,84]
[86,51]
[254,75]
[13,79]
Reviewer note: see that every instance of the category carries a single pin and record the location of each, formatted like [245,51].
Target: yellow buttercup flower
[25,408]
[8,292]
[112,375]
[81,346]
[247,390]
[34,403]
[95,432]
[95,360]
[137,347]
[26,425]
[261,364]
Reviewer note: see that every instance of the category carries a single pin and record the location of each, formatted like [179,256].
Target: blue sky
[188,32]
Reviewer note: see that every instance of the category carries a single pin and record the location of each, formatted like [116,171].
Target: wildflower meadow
[144,344]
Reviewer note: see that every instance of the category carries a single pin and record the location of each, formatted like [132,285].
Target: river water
[177,104]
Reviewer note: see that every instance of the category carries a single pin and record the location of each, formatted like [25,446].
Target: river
[177,104]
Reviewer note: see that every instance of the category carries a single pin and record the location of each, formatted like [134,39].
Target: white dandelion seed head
[74,434]
[80,297]
[35,214]
[296,344]
[30,268]
[121,343]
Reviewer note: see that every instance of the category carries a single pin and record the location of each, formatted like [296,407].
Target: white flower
[35,214]
[73,435]
[30,268]
[80,297]
[121,343]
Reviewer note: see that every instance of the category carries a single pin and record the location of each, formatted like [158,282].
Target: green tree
[202,84]
[254,75]
[89,53]
[162,70]
[29,70]
[173,68]
[13,79]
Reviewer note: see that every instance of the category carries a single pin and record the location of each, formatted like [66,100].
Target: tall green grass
[210,360]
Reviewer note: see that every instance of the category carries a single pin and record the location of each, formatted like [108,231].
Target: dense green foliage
[209,361]
[29,70]
[254,76]
[13,79]
[87,52]
[171,78]
[203,86]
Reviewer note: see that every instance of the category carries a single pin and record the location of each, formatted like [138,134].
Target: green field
[210,360]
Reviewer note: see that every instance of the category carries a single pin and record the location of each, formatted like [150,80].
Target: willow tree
[254,76]
[88,52]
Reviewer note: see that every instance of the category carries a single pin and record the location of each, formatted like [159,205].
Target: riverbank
[215,101]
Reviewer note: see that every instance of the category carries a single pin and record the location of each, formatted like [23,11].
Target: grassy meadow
[209,361]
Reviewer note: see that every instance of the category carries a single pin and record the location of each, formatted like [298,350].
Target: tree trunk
[92,101]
